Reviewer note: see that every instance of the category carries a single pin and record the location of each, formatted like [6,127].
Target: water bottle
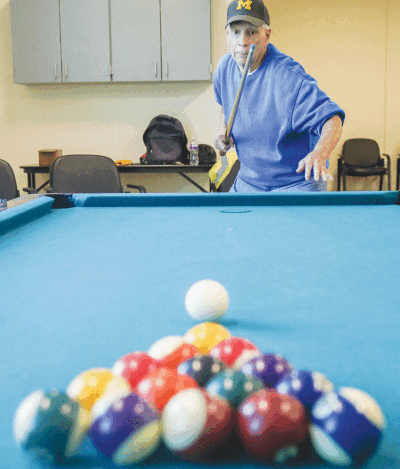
[3,204]
[194,152]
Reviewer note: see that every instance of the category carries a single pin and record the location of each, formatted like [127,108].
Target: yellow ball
[115,389]
[89,386]
[206,335]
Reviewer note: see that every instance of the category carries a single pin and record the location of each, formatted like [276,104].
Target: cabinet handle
[66,70]
[55,71]
[155,69]
[167,74]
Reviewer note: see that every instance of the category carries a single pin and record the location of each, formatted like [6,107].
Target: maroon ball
[271,426]
[195,424]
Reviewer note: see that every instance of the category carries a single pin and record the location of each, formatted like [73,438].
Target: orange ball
[159,387]
[179,355]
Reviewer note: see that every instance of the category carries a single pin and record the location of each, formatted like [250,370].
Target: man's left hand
[316,161]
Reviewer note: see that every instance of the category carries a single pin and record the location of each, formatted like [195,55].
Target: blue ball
[305,386]
[346,427]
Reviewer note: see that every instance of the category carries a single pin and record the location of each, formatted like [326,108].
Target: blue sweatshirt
[279,119]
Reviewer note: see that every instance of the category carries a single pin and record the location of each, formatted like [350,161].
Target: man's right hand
[221,144]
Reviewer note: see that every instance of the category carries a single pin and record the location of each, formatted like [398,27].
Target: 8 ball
[201,368]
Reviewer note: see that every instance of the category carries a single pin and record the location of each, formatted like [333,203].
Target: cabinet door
[85,40]
[35,27]
[186,40]
[135,40]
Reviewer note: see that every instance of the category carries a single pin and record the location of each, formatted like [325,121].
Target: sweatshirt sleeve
[217,84]
[312,108]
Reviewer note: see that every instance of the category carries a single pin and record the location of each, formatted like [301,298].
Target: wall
[351,48]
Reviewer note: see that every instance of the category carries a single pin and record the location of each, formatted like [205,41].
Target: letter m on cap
[246,4]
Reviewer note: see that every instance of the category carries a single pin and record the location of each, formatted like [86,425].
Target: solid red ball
[234,351]
[134,366]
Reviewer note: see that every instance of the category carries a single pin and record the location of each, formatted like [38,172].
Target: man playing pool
[285,125]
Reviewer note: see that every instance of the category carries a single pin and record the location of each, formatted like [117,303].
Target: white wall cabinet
[85,40]
[78,41]
[36,41]
[186,40]
[135,40]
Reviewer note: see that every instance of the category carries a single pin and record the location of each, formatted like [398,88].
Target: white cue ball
[207,300]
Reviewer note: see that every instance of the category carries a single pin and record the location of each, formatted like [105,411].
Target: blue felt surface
[319,284]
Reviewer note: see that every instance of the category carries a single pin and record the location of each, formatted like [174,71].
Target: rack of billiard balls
[191,394]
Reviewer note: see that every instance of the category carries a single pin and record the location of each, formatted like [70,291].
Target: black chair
[8,184]
[89,174]
[361,158]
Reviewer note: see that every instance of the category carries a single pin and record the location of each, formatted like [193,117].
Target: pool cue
[237,99]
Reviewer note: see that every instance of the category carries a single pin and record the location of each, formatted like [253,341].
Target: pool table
[86,279]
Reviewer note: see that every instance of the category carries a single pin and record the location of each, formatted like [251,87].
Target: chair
[89,174]
[8,184]
[361,158]
[398,174]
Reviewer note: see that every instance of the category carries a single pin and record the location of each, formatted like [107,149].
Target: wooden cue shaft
[238,95]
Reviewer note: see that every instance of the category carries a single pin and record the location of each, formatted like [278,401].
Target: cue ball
[207,300]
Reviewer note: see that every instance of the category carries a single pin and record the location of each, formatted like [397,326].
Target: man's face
[240,36]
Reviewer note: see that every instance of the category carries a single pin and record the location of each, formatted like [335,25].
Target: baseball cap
[252,11]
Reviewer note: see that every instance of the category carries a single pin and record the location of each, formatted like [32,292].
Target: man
[286,127]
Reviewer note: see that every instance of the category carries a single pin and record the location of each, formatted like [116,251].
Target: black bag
[207,154]
[166,142]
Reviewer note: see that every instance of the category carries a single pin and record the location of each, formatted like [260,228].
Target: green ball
[50,425]
[233,386]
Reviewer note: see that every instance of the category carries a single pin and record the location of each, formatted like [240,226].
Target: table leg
[43,185]
[192,182]
[31,181]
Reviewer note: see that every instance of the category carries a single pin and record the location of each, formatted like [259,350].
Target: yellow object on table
[222,168]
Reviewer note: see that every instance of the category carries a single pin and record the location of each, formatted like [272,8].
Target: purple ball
[268,368]
[124,419]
